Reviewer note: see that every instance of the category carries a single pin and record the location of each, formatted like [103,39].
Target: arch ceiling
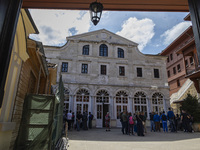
[119,5]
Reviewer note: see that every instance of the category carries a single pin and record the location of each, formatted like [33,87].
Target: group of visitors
[83,121]
[176,122]
[133,123]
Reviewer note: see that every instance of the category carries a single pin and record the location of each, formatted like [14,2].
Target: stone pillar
[92,106]
[130,104]
[111,107]
[71,103]
[165,105]
[148,108]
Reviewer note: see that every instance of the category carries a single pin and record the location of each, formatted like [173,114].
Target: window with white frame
[157,102]
[121,102]
[102,96]
[82,100]
[140,102]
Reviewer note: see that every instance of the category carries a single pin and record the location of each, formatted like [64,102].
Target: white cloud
[171,34]
[139,31]
[55,25]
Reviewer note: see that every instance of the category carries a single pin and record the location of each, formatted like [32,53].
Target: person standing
[107,121]
[85,119]
[124,122]
[78,121]
[171,116]
[152,121]
[185,121]
[143,117]
[163,117]
[90,120]
[156,119]
[72,122]
[69,119]
[140,127]
[131,124]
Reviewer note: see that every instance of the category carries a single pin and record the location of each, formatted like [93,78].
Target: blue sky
[153,31]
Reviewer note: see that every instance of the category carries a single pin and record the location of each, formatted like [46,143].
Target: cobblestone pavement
[99,139]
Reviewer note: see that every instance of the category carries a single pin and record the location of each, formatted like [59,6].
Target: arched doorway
[157,103]
[82,101]
[140,102]
[102,107]
[121,104]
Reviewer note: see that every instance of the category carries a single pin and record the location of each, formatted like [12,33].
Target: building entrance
[105,110]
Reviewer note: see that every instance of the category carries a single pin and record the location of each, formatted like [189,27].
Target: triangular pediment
[102,36]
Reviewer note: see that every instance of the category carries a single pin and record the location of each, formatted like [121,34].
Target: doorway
[105,110]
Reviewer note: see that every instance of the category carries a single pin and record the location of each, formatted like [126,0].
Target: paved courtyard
[99,139]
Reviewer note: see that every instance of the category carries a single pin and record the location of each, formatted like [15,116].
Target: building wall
[19,54]
[112,82]
[32,80]
[175,59]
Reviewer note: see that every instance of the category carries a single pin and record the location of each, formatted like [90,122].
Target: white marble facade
[104,72]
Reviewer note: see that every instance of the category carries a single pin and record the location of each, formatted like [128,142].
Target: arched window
[82,100]
[103,50]
[157,102]
[85,50]
[121,102]
[66,100]
[120,53]
[140,102]
[102,96]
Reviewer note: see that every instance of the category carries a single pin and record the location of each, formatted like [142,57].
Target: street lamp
[95,12]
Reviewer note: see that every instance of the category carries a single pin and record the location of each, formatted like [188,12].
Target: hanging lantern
[95,12]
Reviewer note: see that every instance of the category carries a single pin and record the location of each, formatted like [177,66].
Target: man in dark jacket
[171,117]
[152,121]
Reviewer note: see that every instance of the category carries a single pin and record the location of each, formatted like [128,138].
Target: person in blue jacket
[156,119]
[171,117]
[163,117]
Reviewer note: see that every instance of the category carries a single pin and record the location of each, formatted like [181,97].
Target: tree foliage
[192,107]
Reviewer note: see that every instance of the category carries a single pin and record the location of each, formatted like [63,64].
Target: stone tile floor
[99,139]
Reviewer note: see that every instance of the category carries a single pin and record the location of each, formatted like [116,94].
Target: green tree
[192,107]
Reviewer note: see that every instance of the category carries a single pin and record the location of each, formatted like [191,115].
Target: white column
[130,104]
[133,102]
[164,105]
[71,103]
[111,107]
[148,108]
[92,104]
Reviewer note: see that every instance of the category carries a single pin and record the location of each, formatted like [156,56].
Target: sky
[153,31]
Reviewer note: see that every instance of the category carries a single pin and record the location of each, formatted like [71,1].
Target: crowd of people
[83,121]
[136,123]
[182,122]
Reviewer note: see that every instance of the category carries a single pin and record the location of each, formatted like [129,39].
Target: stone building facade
[103,72]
